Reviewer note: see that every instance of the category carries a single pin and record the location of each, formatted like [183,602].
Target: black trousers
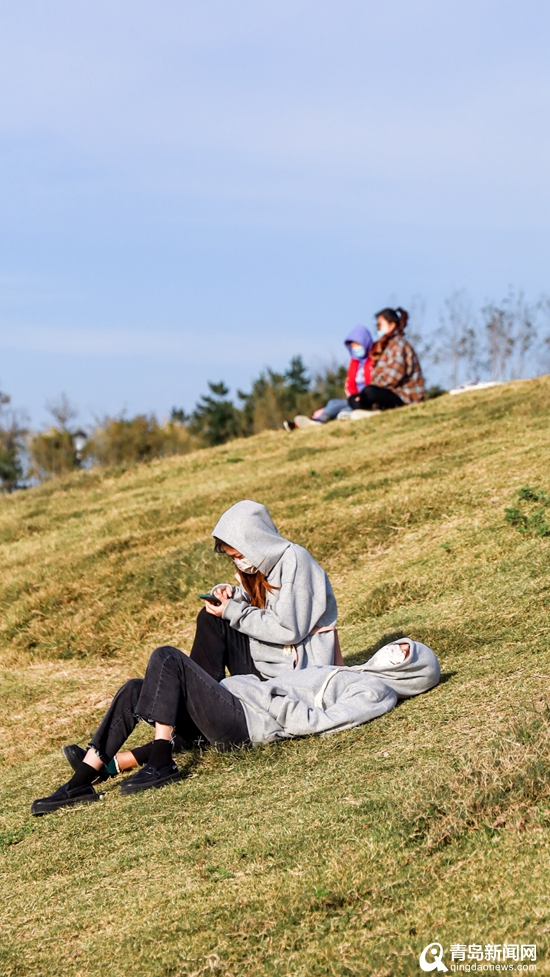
[218,646]
[184,692]
[372,396]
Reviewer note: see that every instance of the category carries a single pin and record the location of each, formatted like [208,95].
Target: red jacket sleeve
[351,383]
[351,386]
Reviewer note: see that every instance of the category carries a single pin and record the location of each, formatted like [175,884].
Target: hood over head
[359,334]
[416,673]
[248,528]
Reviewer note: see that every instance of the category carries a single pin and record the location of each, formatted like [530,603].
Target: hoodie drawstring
[292,649]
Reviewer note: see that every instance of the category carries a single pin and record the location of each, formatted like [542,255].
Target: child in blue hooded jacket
[359,344]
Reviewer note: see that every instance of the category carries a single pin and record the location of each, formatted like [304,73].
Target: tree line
[115,441]
[500,341]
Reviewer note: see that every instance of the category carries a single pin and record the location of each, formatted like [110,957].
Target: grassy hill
[337,856]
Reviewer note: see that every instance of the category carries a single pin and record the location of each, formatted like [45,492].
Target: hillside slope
[343,855]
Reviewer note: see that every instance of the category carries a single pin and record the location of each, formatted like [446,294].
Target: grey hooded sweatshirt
[417,673]
[280,635]
[326,699]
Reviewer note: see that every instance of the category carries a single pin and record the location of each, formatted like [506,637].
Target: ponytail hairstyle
[398,317]
[255,584]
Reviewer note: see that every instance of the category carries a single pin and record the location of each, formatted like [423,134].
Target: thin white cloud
[94,342]
[186,346]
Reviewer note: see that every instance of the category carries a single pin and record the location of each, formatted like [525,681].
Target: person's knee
[159,655]
[203,619]
[208,622]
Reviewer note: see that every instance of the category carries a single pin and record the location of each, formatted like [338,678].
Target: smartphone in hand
[211,599]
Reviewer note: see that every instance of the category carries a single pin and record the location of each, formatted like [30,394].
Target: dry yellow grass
[343,855]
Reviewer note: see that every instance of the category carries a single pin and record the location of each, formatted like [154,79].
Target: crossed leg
[176,694]
[216,647]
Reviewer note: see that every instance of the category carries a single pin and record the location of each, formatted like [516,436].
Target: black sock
[84,774]
[161,754]
[143,753]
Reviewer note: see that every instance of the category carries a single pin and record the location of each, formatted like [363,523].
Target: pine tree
[215,418]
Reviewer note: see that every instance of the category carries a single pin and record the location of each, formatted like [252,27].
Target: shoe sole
[129,788]
[55,805]
[302,421]
[366,416]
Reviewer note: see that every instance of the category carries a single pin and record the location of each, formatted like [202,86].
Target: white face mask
[391,655]
[244,566]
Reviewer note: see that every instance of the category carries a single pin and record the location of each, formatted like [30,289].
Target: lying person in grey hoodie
[327,699]
[176,694]
[280,616]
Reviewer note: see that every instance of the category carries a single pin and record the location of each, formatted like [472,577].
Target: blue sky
[192,191]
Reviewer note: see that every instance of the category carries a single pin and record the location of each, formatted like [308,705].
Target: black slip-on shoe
[63,797]
[74,756]
[150,776]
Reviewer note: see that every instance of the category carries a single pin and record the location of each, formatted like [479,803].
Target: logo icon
[436,963]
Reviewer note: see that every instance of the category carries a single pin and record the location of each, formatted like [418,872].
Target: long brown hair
[255,584]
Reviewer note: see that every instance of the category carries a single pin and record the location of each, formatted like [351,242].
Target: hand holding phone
[210,599]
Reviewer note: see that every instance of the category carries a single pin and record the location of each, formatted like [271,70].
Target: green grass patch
[532,514]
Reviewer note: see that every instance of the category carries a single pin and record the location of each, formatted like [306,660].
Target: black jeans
[185,690]
[218,646]
[175,692]
[372,396]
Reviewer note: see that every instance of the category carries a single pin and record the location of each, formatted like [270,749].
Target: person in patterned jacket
[396,378]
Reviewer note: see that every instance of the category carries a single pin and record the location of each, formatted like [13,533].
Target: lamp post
[79,441]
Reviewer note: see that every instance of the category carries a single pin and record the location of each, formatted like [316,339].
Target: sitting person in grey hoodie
[280,617]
